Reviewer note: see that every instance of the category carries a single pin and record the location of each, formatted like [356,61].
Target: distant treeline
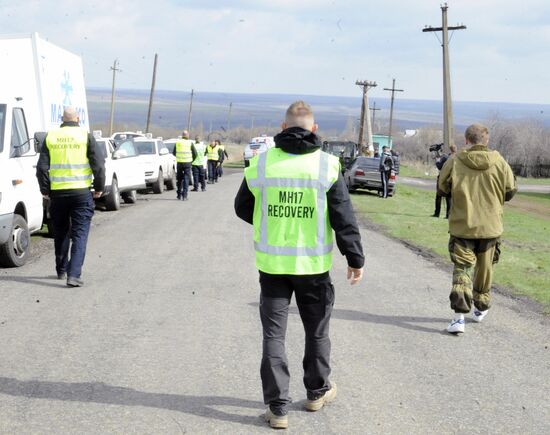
[524,144]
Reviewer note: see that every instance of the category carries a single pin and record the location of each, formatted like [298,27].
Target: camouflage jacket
[479,180]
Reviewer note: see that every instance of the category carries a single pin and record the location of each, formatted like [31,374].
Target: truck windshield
[146,147]
[2,125]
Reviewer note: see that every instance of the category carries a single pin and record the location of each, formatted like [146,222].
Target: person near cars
[213,156]
[386,166]
[197,166]
[439,162]
[295,197]
[185,153]
[479,180]
[223,155]
[69,160]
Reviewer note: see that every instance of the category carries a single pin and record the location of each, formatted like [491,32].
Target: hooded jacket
[296,140]
[479,181]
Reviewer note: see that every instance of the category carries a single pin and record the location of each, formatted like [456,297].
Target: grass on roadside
[417,170]
[523,268]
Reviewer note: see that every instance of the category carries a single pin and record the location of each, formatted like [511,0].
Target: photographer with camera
[440,160]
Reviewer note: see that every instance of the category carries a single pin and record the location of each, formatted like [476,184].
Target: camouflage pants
[473,261]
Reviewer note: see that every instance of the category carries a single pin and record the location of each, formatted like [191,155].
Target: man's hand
[97,194]
[354,275]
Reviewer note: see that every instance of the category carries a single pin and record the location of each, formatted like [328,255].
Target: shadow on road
[97,392]
[46,281]
[406,322]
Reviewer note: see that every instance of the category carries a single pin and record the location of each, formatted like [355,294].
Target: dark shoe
[194,190]
[179,196]
[203,190]
[276,421]
[185,198]
[74,282]
[61,275]
[435,215]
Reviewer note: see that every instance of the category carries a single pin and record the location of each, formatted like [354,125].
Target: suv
[159,164]
[123,172]
[256,146]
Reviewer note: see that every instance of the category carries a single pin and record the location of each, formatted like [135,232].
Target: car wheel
[112,201]
[15,251]
[158,186]
[129,197]
[171,183]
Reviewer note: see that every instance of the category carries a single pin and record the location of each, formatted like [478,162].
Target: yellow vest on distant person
[69,165]
[212,152]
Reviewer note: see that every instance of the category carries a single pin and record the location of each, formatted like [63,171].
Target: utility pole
[374,109]
[447,104]
[393,91]
[190,111]
[114,68]
[229,116]
[364,105]
[152,94]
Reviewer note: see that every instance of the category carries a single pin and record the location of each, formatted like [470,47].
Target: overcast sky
[318,47]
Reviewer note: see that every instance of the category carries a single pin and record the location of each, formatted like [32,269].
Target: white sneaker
[457,325]
[477,315]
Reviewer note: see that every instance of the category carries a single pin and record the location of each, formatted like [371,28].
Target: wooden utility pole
[115,69]
[152,94]
[364,116]
[374,109]
[229,117]
[447,102]
[190,112]
[393,91]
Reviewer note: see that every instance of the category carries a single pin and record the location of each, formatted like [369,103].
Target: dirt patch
[528,206]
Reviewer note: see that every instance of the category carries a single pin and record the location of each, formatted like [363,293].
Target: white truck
[37,80]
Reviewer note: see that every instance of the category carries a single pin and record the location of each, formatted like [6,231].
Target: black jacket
[296,140]
[95,157]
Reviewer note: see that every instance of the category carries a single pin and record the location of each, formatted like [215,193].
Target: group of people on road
[296,199]
[190,162]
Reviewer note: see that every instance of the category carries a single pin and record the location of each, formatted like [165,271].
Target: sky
[304,47]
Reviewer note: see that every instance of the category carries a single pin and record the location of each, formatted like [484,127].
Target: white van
[37,80]
[256,146]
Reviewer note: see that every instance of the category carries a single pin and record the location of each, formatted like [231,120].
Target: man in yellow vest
[69,163]
[295,197]
[223,155]
[185,154]
[213,156]
[197,166]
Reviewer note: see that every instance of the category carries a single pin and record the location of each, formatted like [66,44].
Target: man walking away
[479,181]
[198,166]
[295,196]
[185,154]
[386,166]
[439,165]
[223,155]
[213,156]
[68,161]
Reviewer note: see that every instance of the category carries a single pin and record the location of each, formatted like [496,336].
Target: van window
[20,143]
[2,125]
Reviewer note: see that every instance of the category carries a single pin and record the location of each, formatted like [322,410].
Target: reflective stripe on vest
[183,151]
[298,258]
[200,148]
[212,153]
[69,165]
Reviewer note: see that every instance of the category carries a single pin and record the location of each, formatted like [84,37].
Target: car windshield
[170,146]
[146,147]
[255,146]
[2,122]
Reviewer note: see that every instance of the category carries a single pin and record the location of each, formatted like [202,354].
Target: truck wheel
[171,182]
[112,201]
[129,197]
[15,251]
[158,186]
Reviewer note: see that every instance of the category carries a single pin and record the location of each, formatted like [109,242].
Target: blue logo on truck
[67,87]
[56,110]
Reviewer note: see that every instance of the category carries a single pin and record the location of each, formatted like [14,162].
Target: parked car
[159,165]
[364,173]
[256,146]
[123,172]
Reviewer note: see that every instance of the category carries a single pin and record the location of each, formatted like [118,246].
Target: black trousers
[183,174]
[315,299]
[71,217]
[385,178]
[199,177]
[438,205]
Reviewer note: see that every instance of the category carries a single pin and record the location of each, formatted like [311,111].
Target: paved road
[165,339]
[430,184]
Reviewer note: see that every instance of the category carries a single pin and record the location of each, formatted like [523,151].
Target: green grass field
[524,266]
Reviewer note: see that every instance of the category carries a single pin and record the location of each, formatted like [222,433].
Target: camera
[436,148]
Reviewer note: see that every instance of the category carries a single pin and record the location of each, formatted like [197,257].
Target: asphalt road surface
[165,338]
[430,184]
